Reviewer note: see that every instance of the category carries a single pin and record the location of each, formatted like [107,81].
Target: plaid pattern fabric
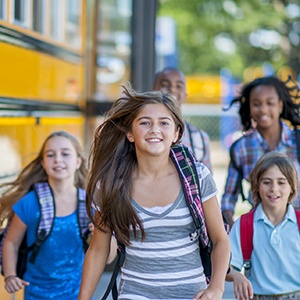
[247,151]
[47,207]
[83,219]
[183,160]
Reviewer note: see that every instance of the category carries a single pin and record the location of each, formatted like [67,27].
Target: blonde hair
[267,161]
[33,173]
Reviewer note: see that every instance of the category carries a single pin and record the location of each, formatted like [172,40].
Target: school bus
[62,63]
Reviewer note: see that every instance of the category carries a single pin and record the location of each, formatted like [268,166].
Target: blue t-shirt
[56,273]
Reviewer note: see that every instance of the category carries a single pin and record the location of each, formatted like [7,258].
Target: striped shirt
[247,151]
[167,265]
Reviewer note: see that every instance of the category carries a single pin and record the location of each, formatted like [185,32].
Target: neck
[153,167]
[64,186]
[275,215]
[272,135]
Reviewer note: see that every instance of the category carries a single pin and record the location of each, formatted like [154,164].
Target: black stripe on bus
[35,105]
[14,37]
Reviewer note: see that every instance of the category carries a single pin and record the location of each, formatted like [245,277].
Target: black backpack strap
[47,215]
[82,217]
[297,134]
[239,170]
[112,286]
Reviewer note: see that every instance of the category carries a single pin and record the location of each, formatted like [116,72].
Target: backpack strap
[112,286]
[196,136]
[297,135]
[183,160]
[239,170]
[246,235]
[297,211]
[47,215]
[82,217]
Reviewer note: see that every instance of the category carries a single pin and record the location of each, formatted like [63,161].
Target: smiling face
[265,106]
[274,189]
[60,159]
[172,81]
[153,130]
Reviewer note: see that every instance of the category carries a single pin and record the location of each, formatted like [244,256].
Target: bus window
[72,23]
[3,9]
[39,16]
[21,12]
[57,19]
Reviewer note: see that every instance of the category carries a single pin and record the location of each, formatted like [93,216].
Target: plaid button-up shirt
[247,151]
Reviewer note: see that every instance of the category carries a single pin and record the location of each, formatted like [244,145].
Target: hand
[14,284]
[209,294]
[242,287]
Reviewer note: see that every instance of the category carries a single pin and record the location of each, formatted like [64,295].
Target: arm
[11,247]
[231,193]
[242,286]
[94,263]
[220,255]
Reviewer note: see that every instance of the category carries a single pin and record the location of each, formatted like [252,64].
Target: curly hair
[287,94]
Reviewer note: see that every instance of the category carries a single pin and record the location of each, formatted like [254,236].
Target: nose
[274,187]
[58,157]
[155,129]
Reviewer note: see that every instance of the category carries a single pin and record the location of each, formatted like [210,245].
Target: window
[57,19]
[72,23]
[21,12]
[3,9]
[39,16]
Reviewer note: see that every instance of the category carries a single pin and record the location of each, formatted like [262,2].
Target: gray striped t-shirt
[167,264]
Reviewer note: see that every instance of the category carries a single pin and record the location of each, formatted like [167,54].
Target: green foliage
[213,34]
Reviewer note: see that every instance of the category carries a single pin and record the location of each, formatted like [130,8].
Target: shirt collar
[290,214]
[286,137]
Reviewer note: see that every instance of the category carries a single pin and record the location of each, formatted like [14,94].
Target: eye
[164,123]
[145,123]
[65,154]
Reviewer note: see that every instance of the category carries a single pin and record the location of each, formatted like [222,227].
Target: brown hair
[286,167]
[33,173]
[113,160]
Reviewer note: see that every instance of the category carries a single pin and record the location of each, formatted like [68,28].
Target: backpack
[184,162]
[46,221]
[246,235]
[196,137]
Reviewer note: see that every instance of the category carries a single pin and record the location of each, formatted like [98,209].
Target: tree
[235,34]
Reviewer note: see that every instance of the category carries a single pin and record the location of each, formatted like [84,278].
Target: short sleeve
[235,244]
[208,187]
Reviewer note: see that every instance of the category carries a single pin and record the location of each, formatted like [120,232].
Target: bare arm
[94,263]
[11,247]
[221,250]
[242,286]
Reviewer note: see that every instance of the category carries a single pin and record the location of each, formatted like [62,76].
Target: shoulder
[193,129]
[28,199]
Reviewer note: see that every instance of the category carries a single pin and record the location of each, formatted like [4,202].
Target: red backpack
[246,234]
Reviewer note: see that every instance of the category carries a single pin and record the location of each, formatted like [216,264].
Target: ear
[176,135]
[79,162]
[281,106]
[130,137]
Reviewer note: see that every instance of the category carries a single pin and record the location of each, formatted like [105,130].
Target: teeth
[153,140]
